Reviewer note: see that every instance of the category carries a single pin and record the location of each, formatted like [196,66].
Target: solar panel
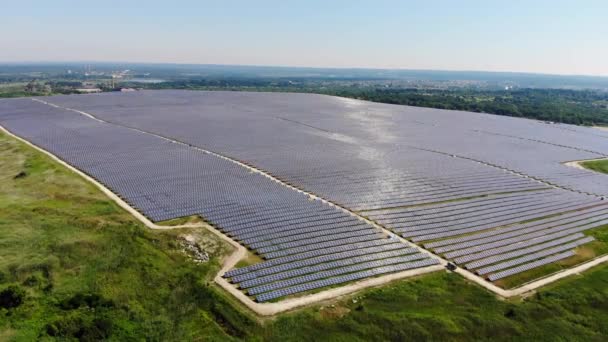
[532,265]
[297,265]
[568,217]
[500,257]
[333,272]
[529,257]
[519,242]
[345,278]
[496,223]
[512,234]
[310,254]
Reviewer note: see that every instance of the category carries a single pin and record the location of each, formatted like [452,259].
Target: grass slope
[596,165]
[444,307]
[89,271]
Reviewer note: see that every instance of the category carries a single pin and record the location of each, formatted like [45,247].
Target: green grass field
[79,267]
[596,165]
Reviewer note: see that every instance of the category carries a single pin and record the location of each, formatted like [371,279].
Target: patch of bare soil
[199,246]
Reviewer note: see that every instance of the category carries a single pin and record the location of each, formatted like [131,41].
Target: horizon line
[301,67]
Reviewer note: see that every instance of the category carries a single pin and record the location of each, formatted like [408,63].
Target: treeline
[579,107]
[43,88]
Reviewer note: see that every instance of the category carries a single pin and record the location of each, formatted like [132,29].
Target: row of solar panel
[506,251]
[564,223]
[532,265]
[297,267]
[509,255]
[294,272]
[398,193]
[465,255]
[455,243]
[424,219]
[415,218]
[386,188]
[344,278]
[437,197]
[533,256]
[391,177]
[459,206]
[334,272]
[496,223]
[540,210]
[473,219]
[327,254]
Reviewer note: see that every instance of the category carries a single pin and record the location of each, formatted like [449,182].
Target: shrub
[11,297]
[21,174]
[32,280]
[76,327]
[91,300]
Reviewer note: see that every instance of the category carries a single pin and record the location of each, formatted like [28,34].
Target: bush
[11,297]
[32,280]
[76,327]
[20,175]
[79,321]
[91,300]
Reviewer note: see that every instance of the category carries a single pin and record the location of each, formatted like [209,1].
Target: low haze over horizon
[554,37]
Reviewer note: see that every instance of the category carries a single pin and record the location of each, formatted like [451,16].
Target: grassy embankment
[596,165]
[83,268]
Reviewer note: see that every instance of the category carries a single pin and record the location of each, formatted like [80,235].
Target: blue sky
[565,37]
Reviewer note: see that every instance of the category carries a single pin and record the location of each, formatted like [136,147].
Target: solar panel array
[165,180]
[465,185]
[526,267]
[504,248]
[344,278]
[358,153]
